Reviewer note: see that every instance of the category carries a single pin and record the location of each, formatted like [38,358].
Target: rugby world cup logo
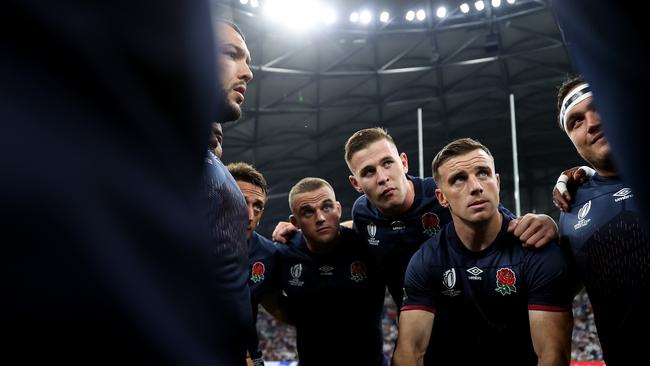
[296,272]
[372,231]
[449,280]
[582,216]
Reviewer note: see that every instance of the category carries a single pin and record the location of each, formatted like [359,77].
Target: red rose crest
[430,223]
[257,272]
[358,271]
[506,281]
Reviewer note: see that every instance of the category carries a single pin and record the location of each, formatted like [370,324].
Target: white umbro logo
[623,194]
[475,272]
[326,270]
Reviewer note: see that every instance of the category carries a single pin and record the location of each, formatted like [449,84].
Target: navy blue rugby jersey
[611,253]
[481,299]
[228,219]
[336,301]
[392,241]
[261,262]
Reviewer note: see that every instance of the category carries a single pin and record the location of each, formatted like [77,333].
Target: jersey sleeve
[549,279]
[418,283]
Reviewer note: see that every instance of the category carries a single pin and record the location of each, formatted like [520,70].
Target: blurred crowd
[278,340]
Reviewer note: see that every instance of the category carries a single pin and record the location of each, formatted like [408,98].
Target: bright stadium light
[329,16]
[365,17]
[255,3]
[421,15]
[510,1]
[496,3]
[384,16]
[295,14]
[244,2]
[410,15]
[479,5]
[441,12]
[464,8]
[354,17]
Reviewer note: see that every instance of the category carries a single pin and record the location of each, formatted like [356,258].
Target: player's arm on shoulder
[534,230]
[414,333]
[567,184]
[551,335]
[283,231]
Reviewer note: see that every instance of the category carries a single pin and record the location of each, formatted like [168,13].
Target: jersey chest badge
[296,272]
[623,194]
[449,280]
[372,231]
[430,223]
[582,214]
[506,280]
[257,272]
[358,271]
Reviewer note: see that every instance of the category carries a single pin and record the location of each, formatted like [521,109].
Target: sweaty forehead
[251,190]
[228,35]
[314,198]
[468,161]
[373,154]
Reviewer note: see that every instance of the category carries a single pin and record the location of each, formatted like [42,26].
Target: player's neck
[477,236]
[318,247]
[405,206]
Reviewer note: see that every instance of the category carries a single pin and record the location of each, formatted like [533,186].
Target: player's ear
[405,162]
[294,221]
[441,198]
[355,183]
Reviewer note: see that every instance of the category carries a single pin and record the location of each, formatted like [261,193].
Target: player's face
[216,139]
[233,59]
[317,214]
[469,187]
[255,200]
[584,130]
[379,172]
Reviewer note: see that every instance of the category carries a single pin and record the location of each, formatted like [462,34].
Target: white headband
[574,97]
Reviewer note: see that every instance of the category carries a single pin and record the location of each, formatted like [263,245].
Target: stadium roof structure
[312,90]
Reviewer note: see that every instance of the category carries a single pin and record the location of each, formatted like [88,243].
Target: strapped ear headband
[577,95]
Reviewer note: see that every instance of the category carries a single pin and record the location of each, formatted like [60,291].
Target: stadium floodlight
[496,3]
[510,1]
[384,17]
[255,3]
[464,8]
[329,16]
[295,14]
[441,12]
[354,17]
[421,15]
[244,2]
[479,5]
[410,15]
[365,17]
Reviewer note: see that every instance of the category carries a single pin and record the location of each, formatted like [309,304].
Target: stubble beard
[227,111]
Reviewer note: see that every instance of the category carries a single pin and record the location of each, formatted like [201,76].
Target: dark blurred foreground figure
[104,112]
[602,234]
[607,41]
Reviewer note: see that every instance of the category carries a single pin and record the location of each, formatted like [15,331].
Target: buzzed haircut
[364,138]
[455,148]
[246,173]
[305,185]
[563,90]
[232,25]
